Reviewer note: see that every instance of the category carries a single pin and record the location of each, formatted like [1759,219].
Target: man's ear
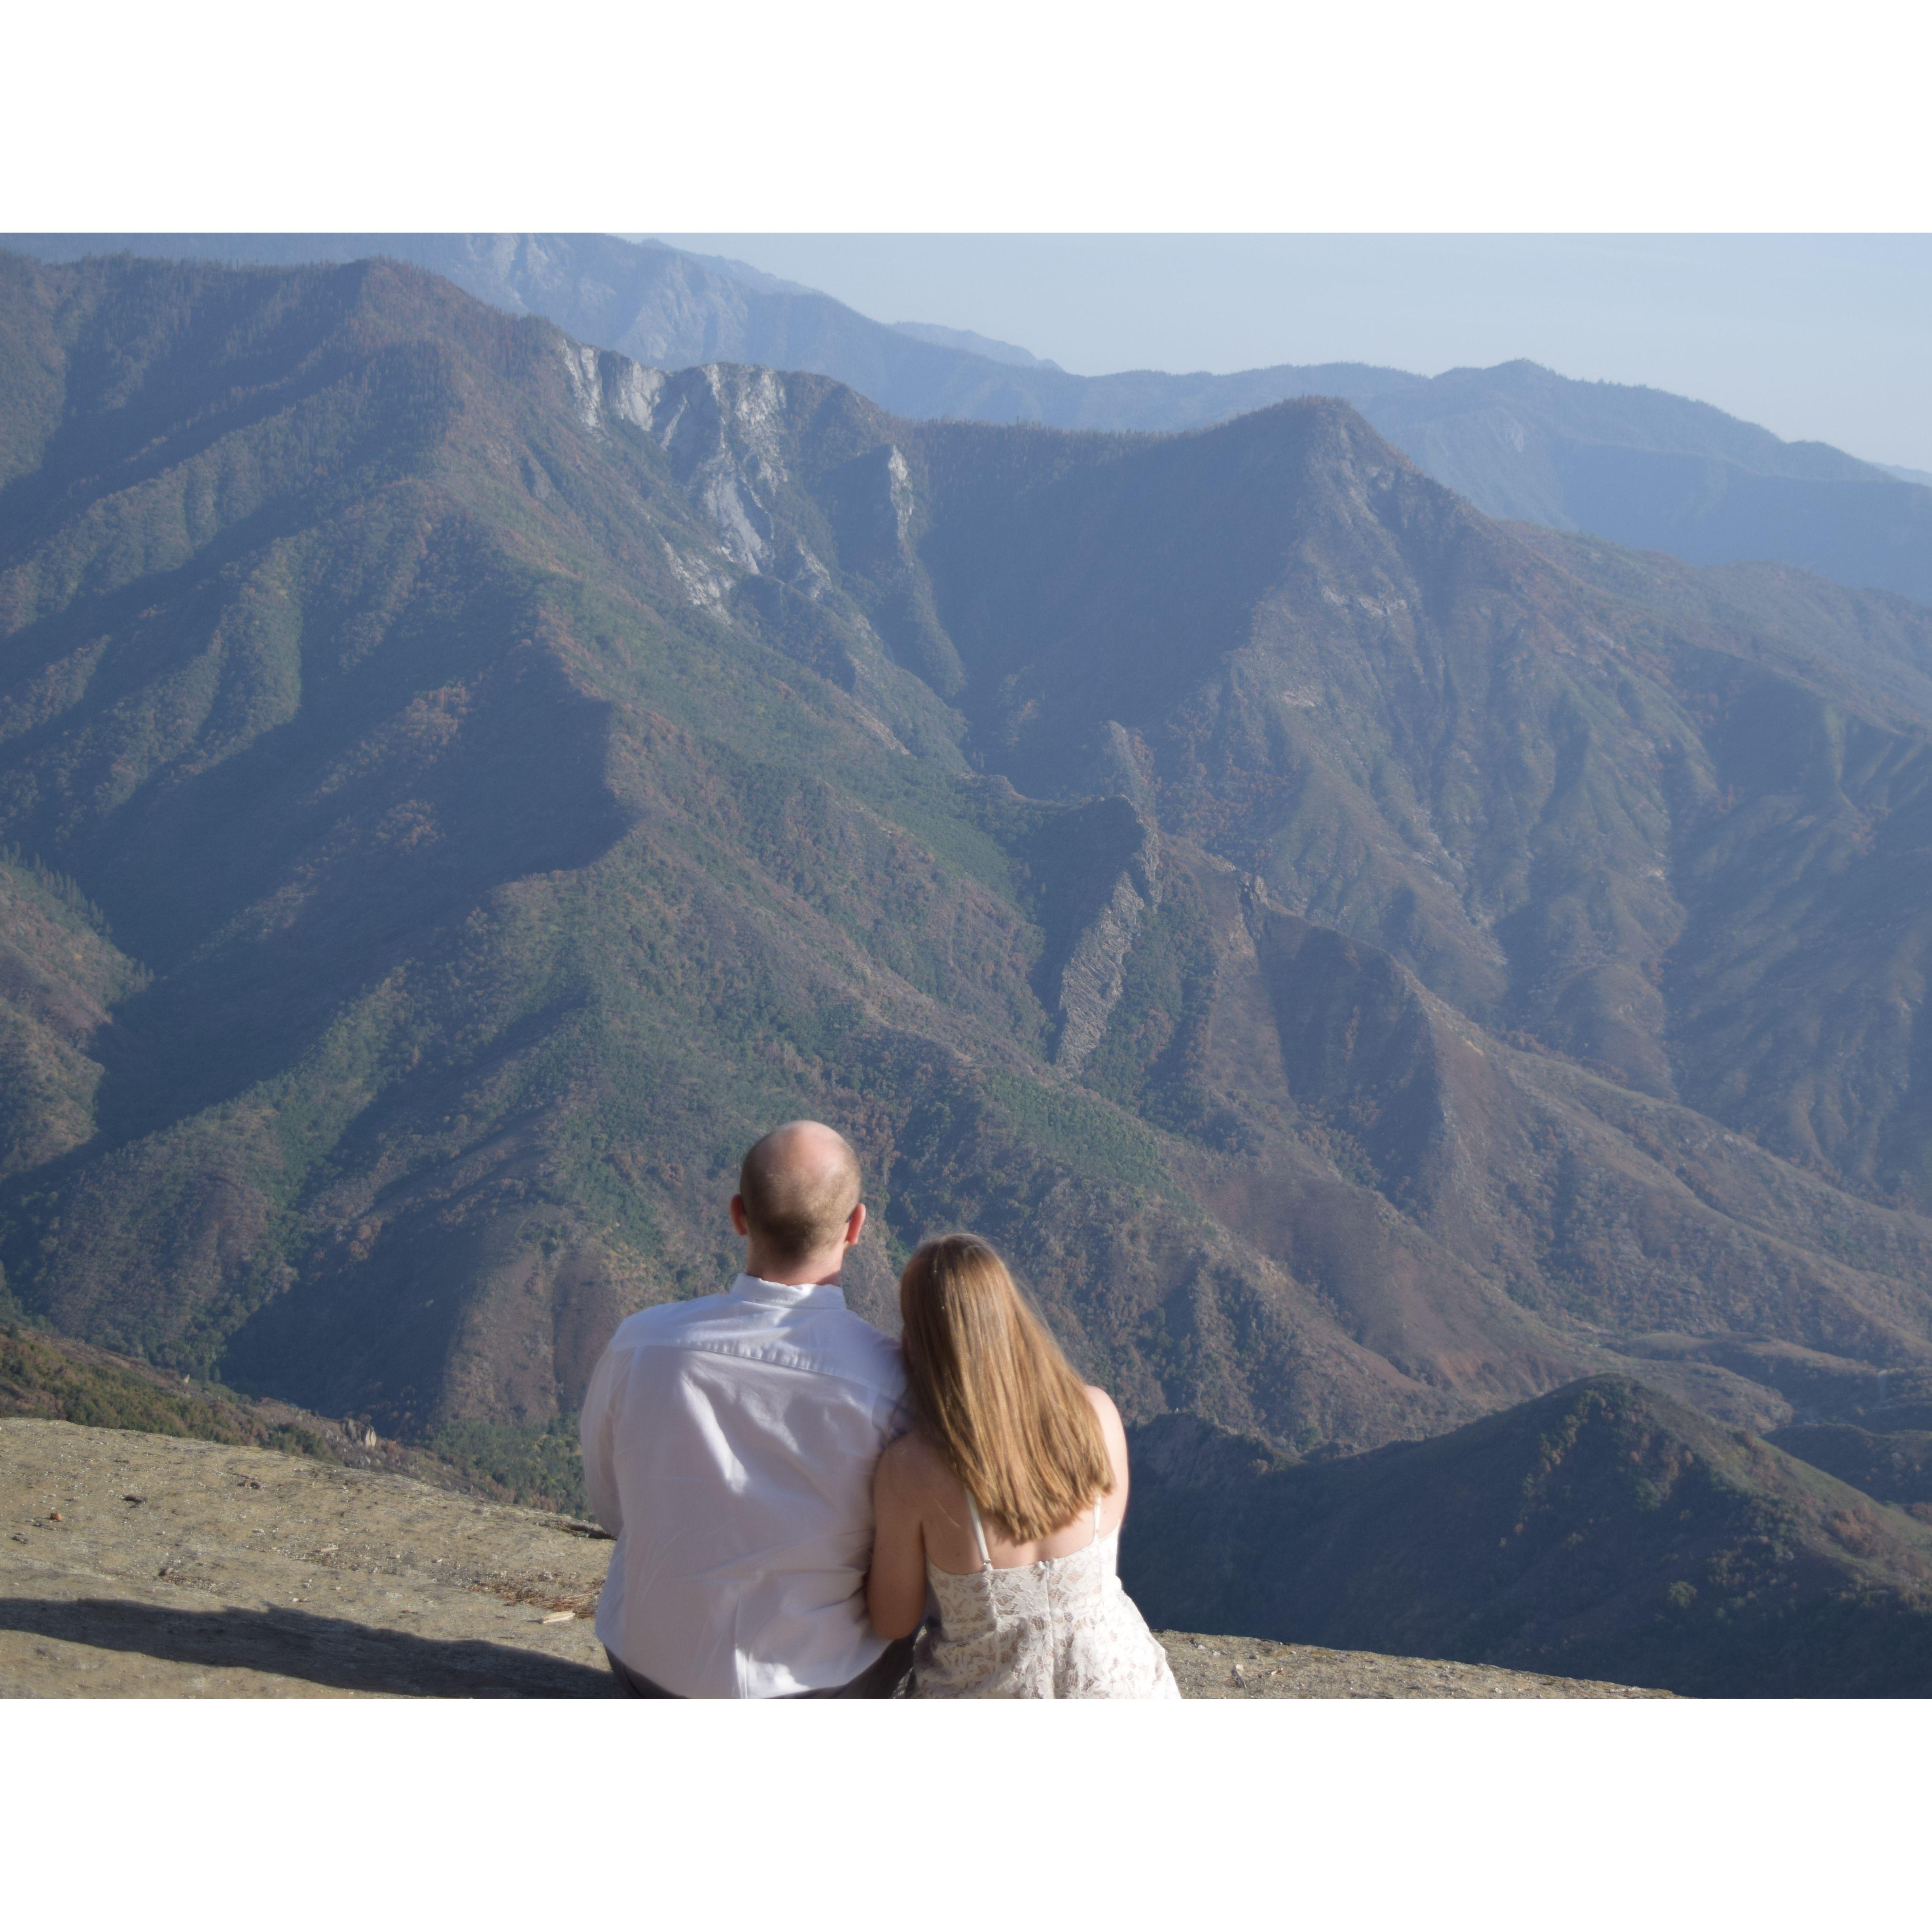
[855,1225]
[738,1221]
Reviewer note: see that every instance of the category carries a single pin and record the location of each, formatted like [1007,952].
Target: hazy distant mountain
[732,270]
[1637,466]
[656,305]
[974,343]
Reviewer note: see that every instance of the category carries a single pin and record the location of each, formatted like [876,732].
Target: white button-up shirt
[729,1444]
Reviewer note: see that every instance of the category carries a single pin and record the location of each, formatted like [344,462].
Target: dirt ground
[1242,1666]
[147,1566]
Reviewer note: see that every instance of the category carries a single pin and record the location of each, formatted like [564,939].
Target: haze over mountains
[1370,965]
[1636,465]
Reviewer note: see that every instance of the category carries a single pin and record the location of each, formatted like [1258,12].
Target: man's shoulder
[838,1342]
[664,1321]
[884,1366]
[855,1340]
[862,1335]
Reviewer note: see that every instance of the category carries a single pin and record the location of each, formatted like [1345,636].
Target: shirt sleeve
[597,1435]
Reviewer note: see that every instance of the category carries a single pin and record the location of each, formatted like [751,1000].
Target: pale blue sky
[1827,336]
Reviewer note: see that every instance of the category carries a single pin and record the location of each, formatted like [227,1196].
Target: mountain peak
[1632,463]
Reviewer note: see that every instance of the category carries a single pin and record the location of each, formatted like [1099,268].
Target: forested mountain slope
[1366,970]
[1601,1527]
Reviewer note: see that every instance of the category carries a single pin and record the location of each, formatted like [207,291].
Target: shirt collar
[778,1294]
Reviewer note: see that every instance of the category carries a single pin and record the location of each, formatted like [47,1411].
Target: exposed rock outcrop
[1090,984]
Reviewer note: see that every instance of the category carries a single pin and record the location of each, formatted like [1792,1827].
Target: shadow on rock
[333,1651]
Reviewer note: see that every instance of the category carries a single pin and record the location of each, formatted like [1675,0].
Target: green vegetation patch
[1086,1134]
[39,1379]
[1149,1057]
[538,1464]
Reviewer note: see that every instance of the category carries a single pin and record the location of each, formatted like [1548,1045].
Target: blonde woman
[1005,1500]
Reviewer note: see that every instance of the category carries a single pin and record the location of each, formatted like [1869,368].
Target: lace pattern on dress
[1060,1628]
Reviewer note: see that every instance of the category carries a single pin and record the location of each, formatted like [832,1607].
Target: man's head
[797,1203]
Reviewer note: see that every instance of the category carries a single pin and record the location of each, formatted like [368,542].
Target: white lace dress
[1060,1628]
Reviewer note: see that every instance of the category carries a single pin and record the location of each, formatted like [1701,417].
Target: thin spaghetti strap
[979,1532]
[1096,1519]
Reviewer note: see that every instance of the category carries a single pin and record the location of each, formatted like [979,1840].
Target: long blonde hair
[993,1394]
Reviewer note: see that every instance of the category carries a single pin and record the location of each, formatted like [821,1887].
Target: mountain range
[1639,466]
[1371,965]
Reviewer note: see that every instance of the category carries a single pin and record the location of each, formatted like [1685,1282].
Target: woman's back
[1044,1617]
[1009,1441]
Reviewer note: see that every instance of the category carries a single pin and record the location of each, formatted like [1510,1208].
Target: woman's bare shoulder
[1103,1407]
[911,1464]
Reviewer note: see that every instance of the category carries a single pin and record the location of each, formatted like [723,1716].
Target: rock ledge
[134,1565]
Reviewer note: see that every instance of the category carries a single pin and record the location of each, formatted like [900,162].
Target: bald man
[728,1445]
